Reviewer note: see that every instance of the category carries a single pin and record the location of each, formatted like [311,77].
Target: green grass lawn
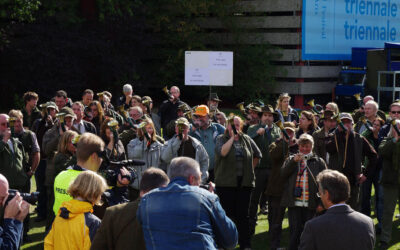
[260,240]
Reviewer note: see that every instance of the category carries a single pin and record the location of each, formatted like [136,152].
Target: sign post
[209,68]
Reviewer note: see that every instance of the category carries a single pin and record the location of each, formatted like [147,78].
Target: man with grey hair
[183,215]
[370,114]
[340,227]
[125,100]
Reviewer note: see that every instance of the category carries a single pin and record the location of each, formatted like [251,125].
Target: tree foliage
[140,41]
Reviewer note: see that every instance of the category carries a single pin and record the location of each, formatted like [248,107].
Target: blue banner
[332,27]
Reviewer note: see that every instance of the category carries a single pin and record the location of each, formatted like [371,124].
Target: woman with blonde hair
[75,225]
[285,112]
[146,147]
[65,155]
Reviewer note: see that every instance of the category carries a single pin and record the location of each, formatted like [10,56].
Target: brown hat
[289,126]
[68,112]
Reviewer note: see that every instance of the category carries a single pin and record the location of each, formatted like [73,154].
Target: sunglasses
[395,112]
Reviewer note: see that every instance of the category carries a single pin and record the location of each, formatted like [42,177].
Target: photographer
[14,213]
[184,145]
[88,155]
[182,215]
[300,193]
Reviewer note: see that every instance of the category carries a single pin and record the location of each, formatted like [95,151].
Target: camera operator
[14,213]
[88,155]
[183,215]
[183,144]
[300,193]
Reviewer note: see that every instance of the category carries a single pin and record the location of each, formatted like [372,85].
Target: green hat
[68,112]
[182,121]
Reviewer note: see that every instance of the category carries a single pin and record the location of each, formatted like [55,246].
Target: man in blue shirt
[183,215]
[206,132]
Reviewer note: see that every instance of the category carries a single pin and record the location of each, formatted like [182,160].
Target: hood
[73,208]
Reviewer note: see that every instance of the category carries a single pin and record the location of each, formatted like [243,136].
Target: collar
[78,168]
[338,205]
[180,181]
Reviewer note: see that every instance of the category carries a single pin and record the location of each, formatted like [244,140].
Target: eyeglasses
[395,112]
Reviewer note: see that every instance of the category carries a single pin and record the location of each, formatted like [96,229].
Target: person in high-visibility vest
[88,147]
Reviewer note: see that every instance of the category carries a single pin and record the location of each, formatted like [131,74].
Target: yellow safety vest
[61,184]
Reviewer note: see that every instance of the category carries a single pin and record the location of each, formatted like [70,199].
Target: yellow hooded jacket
[73,228]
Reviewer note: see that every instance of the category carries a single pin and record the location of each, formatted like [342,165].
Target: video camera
[31,198]
[114,169]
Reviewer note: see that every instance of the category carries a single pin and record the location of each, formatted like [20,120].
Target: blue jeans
[366,188]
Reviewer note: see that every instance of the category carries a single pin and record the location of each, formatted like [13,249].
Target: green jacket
[12,164]
[319,143]
[62,162]
[390,152]
[279,151]
[263,142]
[119,229]
[360,148]
[28,120]
[26,138]
[289,172]
[225,166]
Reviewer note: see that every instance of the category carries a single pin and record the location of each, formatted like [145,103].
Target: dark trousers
[354,200]
[276,214]
[210,175]
[235,201]
[366,189]
[262,175]
[50,213]
[40,176]
[298,216]
[26,189]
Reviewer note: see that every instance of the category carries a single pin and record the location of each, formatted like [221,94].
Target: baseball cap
[201,110]
[183,121]
[68,112]
[289,126]
[347,116]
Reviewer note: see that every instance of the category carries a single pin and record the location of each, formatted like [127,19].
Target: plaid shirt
[302,182]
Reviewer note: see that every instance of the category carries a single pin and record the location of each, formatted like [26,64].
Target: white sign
[209,68]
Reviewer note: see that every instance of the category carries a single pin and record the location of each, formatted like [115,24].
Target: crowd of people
[111,175]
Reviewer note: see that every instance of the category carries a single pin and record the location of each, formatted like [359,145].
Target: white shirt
[82,127]
[10,144]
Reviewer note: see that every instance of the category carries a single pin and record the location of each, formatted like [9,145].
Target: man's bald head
[368,98]
[3,122]
[3,189]
[3,180]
